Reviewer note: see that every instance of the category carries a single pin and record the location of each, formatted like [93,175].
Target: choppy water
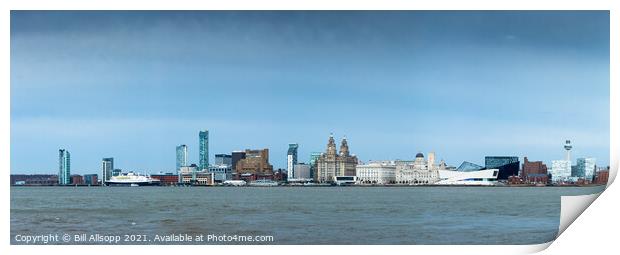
[297,215]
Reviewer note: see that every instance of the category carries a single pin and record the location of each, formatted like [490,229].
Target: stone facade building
[419,172]
[331,163]
[376,173]
[254,166]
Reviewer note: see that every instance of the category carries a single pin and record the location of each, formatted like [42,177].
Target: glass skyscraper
[181,156]
[291,159]
[314,156]
[203,145]
[107,166]
[64,167]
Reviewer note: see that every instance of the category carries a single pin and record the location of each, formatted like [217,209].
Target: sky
[464,84]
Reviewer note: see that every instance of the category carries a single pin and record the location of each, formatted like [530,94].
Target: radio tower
[567,147]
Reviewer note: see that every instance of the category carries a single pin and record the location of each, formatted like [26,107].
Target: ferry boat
[132,179]
[263,183]
[234,183]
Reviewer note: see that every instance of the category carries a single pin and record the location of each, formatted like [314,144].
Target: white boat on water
[234,183]
[132,179]
[263,183]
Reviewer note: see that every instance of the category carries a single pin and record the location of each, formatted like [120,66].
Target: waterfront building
[201,178]
[117,172]
[34,179]
[235,157]
[166,179]
[107,165]
[507,165]
[77,179]
[181,156]
[469,167]
[223,159]
[418,172]
[314,156]
[560,170]
[291,159]
[376,173]
[221,172]
[203,149]
[332,163]
[533,171]
[279,175]
[190,170]
[585,168]
[64,167]
[486,177]
[91,179]
[254,166]
[302,172]
[602,176]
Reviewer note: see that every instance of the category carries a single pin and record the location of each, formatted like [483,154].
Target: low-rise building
[34,179]
[199,179]
[77,179]
[602,176]
[221,173]
[533,171]
[560,170]
[91,179]
[302,171]
[376,173]
[166,179]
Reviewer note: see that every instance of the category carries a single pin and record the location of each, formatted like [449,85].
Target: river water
[293,215]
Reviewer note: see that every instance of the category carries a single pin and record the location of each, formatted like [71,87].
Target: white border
[596,235]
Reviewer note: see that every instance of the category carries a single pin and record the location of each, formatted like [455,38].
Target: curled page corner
[572,207]
[535,248]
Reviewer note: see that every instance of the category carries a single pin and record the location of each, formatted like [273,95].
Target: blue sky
[133,85]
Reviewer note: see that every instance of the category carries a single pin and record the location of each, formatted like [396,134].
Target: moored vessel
[132,179]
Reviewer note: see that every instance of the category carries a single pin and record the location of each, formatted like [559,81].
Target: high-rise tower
[107,166]
[64,167]
[203,145]
[291,160]
[181,156]
[568,147]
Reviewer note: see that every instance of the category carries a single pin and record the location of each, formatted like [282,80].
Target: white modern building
[586,168]
[376,173]
[560,170]
[487,177]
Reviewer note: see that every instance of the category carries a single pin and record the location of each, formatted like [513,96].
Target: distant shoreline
[323,186]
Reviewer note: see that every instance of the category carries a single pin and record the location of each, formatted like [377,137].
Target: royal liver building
[332,163]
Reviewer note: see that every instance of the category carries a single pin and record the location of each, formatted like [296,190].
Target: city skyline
[462,84]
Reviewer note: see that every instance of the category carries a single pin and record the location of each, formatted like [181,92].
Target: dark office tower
[236,156]
[507,165]
[64,167]
[203,145]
